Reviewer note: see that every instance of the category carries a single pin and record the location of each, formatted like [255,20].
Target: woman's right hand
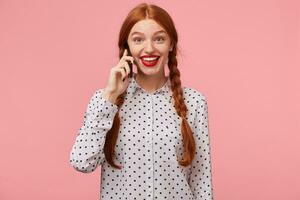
[116,85]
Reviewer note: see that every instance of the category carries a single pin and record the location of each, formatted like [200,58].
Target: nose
[149,47]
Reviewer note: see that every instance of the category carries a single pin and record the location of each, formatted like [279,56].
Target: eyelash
[163,39]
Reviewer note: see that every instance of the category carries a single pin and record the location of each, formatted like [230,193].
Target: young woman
[148,133]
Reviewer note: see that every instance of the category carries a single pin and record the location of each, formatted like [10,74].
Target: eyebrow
[136,32]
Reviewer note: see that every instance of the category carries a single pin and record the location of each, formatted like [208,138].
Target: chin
[150,71]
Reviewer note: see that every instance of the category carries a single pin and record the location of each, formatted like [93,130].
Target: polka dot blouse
[149,146]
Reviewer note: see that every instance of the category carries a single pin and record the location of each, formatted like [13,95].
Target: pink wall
[54,54]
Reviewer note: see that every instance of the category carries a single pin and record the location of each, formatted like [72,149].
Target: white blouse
[148,146]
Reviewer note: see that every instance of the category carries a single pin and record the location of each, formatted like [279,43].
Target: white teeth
[149,59]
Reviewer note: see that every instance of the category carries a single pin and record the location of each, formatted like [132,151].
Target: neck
[150,83]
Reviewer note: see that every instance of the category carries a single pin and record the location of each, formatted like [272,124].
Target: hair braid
[112,134]
[181,109]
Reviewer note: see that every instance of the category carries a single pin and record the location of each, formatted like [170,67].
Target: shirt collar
[134,87]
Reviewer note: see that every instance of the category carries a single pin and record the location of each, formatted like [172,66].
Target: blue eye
[162,38]
[135,39]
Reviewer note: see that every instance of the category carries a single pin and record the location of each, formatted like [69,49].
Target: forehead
[146,26]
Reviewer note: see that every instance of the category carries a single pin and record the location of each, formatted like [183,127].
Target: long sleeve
[87,151]
[200,176]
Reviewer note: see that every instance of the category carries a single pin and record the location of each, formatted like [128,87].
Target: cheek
[134,52]
[164,50]
[136,57]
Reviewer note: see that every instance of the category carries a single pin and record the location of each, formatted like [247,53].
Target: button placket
[149,146]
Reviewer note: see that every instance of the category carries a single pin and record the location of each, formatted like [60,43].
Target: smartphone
[129,63]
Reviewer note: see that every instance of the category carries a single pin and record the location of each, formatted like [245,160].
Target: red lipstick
[149,60]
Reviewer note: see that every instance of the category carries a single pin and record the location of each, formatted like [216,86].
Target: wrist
[109,96]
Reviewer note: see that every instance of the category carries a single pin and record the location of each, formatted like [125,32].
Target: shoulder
[193,95]
[95,96]
[96,93]
[194,99]
[196,103]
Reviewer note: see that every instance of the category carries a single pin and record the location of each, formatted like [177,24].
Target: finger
[123,73]
[129,62]
[127,67]
[124,53]
[128,58]
[124,63]
[132,60]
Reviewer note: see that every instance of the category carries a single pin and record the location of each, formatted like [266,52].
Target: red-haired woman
[148,133]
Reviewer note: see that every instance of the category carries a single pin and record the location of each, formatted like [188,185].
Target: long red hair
[150,11]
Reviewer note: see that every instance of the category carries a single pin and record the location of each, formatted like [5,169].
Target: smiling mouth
[150,62]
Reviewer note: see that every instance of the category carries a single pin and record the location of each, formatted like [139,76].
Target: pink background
[55,54]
